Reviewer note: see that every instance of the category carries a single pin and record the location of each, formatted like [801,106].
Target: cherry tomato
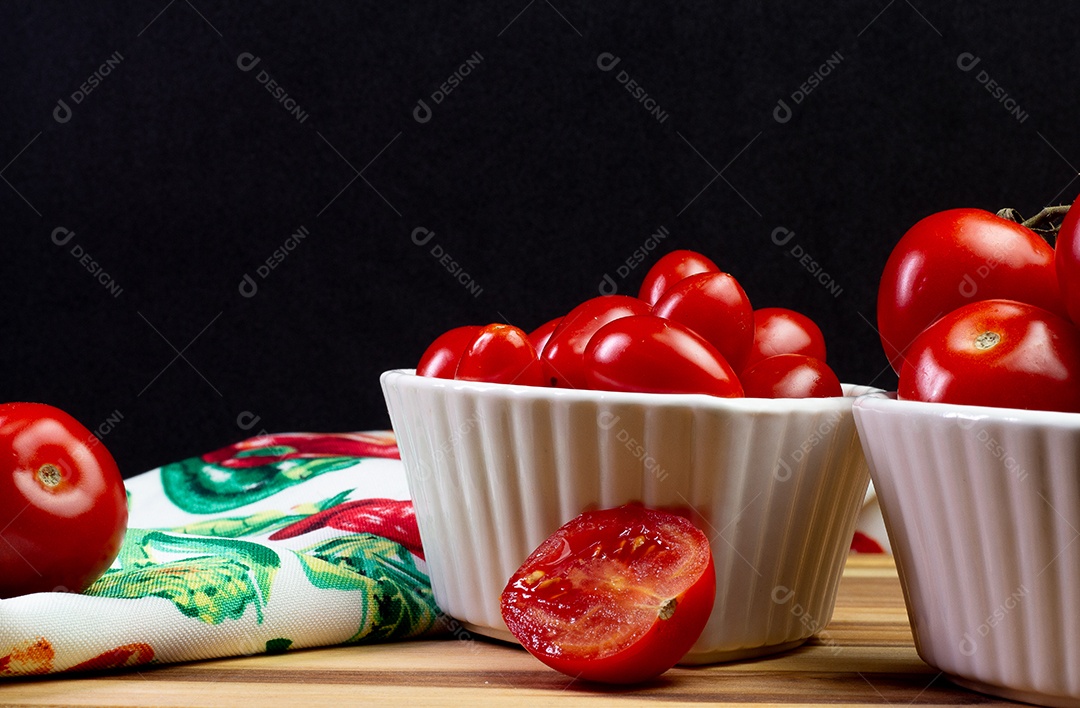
[562,357]
[501,353]
[996,353]
[540,336]
[1067,260]
[441,358]
[714,306]
[778,330]
[617,595]
[670,269]
[651,354]
[790,376]
[955,257]
[63,503]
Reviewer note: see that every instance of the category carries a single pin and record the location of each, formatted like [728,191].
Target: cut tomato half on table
[617,595]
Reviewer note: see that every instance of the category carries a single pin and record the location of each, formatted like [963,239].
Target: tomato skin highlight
[616,596]
[790,376]
[716,307]
[562,358]
[651,354]
[1067,261]
[999,353]
[500,353]
[954,257]
[778,330]
[670,269]
[63,501]
[540,336]
[441,358]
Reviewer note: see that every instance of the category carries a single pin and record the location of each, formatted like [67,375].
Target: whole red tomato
[778,330]
[618,595]
[441,358]
[540,336]
[62,502]
[955,257]
[790,376]
[670,269]
[996,353]
[651,354]
[715,306]
[561,359]
[500,353]
[1067,261]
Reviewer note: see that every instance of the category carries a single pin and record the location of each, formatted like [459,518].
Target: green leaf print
[258,523]
[201,487]
[239,526]
[399,601]
[217,580]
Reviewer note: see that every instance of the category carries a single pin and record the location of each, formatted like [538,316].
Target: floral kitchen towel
[276,543]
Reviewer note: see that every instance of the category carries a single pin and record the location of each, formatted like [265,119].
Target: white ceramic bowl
[982,507]
[495,469]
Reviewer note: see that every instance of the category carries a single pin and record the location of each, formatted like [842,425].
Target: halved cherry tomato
[955,257]
[790,376]
[651,354]
[562,357]
[618,595]
[670,269]
[996,353]
[500,353]
[714,306]
[778,330]
[62,502]
[441,358]
[1067,261]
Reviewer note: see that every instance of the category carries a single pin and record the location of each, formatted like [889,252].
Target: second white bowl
[982,507]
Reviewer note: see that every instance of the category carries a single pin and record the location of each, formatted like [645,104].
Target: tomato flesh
[62,500]
[617,595]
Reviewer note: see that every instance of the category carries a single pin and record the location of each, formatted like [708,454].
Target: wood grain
[865,656]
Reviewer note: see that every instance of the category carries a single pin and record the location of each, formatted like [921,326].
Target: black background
[539,173]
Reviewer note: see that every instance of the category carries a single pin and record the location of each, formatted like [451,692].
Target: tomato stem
[987,340]
[668,610]
[49,475]
[1046,223]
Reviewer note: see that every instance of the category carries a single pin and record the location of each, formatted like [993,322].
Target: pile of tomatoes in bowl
[691,329]
[976,309]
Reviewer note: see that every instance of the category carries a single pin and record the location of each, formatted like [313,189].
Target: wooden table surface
[864,656]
